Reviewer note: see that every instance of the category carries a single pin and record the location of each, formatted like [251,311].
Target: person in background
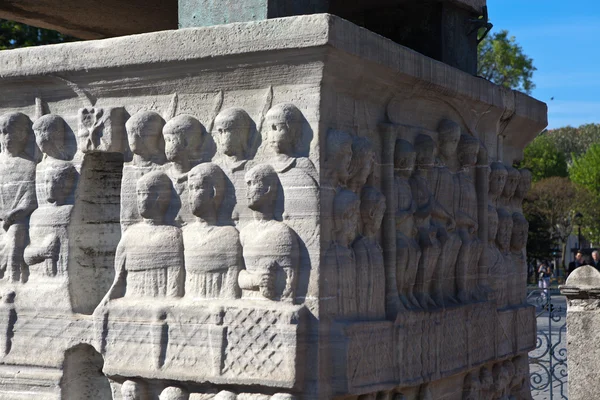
[596,259]
[544,274]
[579,261]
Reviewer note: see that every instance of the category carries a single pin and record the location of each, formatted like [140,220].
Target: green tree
[543,158]
[501,60]
[14,35]
[586,169]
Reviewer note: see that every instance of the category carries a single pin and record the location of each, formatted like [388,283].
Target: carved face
[201,195]
[175,145]
[425,158]
[131,391]
[153,195]
[349,222]
[231,133]
[12,139]
[524,185]
[504,233]
[448,143]
[404,163]
[257,191]
[59,184]
[467,157]
[519,235]
[511,183]
[372,219]
[342,162]
[497,182]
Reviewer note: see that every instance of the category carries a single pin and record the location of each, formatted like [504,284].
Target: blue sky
[563,38]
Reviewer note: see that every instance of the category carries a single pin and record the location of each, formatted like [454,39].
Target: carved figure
[132,390]
[430,246]
[144,134]
[408,252]
[498,176]
[213,253]
[46,254]
[495,259]
[362,163]
[370,279]
[297,174]
[225,395]
[520,384]
[518,273]
[232,134]
[522,189]
[487,382]
[173,393]
[466,221]
[501,382]
[340,258]
[183,142]
[49,133]
[446,202]
[503,239]
[512,182]
[149,259]
[270,247]
[17,192]
[472,386]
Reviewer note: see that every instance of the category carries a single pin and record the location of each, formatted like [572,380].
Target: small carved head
[262,187]
[501,377]
[512,181]
[492,224]
[15,129]
[173,393]
[50,135]
[404,157]
[59,183]
[339,154]
[144,134]
[520,230]
[362,162]
[183,138]
[284,128]
[498,175]
[524,183]
[345,216]
[505,226]
[132,390]
[448,137]
[206,187]
[486,378]
[372,209]
[232,131]
[468,148]
[225,395]
[425,148]
[153,194]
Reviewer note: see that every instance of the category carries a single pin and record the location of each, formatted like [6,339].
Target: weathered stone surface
[290,208]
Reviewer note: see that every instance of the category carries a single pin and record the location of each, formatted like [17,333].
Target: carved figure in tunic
[297,174]
[340,258]
[498,176]
[49,133]
[213,252]
[17,192]
[132,390]
[501,381]
[370,279]
[144,134]
[183,140]
[447,198]
[173,393]
[522,190]
[512,182]
[487,382]
[466,221]
[518,273]
[503,239]
[520,384]
[496,265]
[47,252]
[430,246]
[232,134]
[149,259]
[270,248]
[408,252]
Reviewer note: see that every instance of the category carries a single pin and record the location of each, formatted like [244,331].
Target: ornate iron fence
[548,362]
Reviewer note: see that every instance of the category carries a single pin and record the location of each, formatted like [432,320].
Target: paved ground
[550,324]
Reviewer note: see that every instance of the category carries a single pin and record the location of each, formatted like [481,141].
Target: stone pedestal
[582,289]
[232,212]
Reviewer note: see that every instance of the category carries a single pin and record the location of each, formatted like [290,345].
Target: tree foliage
[553,203]
[501,60]
[14,35]
[573,142]
[586,169]
[544,159]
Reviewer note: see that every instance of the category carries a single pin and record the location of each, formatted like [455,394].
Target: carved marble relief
[508,379]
